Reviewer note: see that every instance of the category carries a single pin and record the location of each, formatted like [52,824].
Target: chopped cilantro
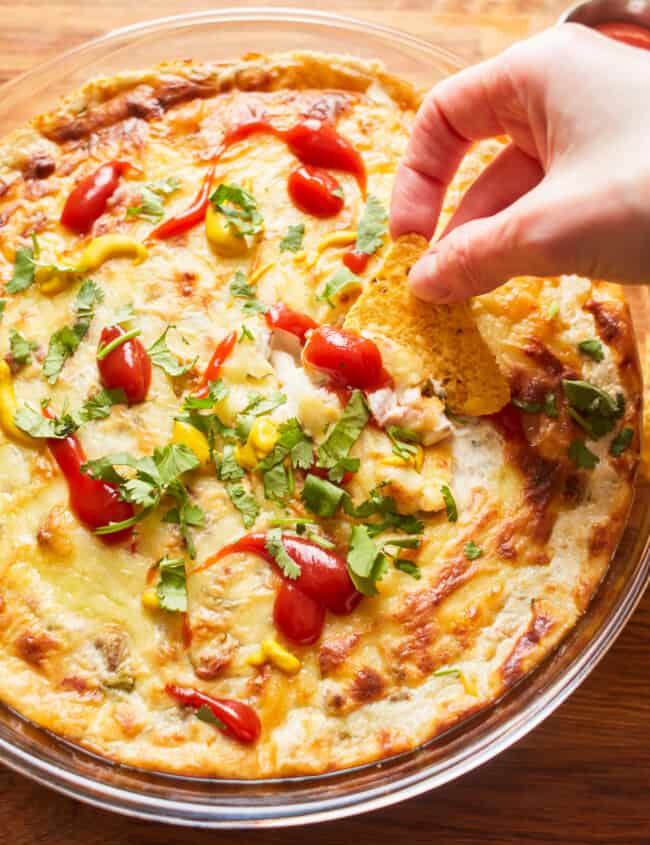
[257,406]
[206,715]
[64,342]
[244,501]
[217,392]
[592,348]
[21,349]
[441,673]
[372,227]
[408,566]
[472,551]
[241,289]
[98,406]
[185,514]
[583,457]
[450,503]
[342,283]
[404,441]
[553,310]
[275,547]
[320,496]
[239,207]
[32,422]
[151,197]
[277,483]
[172,586]
[333,452]
[24,267]
[366,563]
[592,408]
[161,356]
[621,442]
[246,334]
[385,508]
[292,241]
[3,305]
[229,469]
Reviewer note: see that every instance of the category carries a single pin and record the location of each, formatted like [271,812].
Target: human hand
[570,194]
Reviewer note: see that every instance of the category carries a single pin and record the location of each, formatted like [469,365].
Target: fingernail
[424,280]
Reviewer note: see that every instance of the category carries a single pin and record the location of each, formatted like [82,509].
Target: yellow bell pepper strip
[186,435]
[101,249]
[223,240]
[8,408]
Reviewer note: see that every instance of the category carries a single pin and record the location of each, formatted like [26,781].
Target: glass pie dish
[234,803]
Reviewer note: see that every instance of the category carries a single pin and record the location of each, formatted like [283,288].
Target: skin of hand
[569,194]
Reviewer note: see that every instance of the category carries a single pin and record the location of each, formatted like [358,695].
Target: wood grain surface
[582,776]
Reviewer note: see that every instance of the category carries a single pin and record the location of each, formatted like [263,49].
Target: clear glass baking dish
[226,803]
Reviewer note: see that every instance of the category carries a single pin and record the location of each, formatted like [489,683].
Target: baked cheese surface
[502,526]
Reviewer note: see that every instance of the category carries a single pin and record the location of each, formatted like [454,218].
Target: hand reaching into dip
[570,194]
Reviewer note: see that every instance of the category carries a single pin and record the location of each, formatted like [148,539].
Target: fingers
[479,102]
[507,178]
[484,253]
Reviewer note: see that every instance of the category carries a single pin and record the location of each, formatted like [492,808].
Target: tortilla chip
[445,337]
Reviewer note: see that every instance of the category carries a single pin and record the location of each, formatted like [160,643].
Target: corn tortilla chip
[445,337]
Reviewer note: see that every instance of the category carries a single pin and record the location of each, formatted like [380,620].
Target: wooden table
[582,777]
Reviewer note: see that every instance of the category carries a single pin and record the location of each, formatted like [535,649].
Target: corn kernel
[257,658]
[280,657]
[221,237]
[150,599]
[263,436]
[185,434]
[245,456]
[469,684]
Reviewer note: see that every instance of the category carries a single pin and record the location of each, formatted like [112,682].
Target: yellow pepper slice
[186,435]
[223,240]
[8,408]
[101,249]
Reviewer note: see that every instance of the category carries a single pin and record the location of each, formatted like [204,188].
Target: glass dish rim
[495,740]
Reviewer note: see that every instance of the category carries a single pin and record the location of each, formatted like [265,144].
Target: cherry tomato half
[279,316]
[315,191]
[87,200]
[299,617]
[356,261]
[128,366]
[316,142]
[349,359]
[629,33]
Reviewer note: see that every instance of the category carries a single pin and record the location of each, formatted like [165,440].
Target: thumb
[482,254]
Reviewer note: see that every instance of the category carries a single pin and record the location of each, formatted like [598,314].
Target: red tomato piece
[239,720]
[128,366]
[316,142]
[299,617]
[96,503]
[189,218]
[279,316]
[315,191]
[348,359]
[356,261]
[219,356]
[629,33]
[87,200]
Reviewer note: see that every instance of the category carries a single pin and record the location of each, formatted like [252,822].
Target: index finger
[467,107]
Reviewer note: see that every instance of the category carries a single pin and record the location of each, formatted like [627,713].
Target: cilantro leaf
[592,348]
[342,283]
[320,496]
[24,267]
[592,408]
[334,450]
[20,348]
[98,406]
[162,356]
[386,509]
[246,334]
[257,406]
[229,469]
[240,289]
[621,442]
[292,443]
[407,566]
[403,440]
[245,502]
[151,194]
[472,551]
[292,241]
[372,227]
[366,563]
[65,342]
[277,483]
[582,456]
[206,715]
[527,407]
[217,392]
[172,586]
[173,460]
[32,422]
[239,207]
[450,504]
[185,514]
[275,547]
